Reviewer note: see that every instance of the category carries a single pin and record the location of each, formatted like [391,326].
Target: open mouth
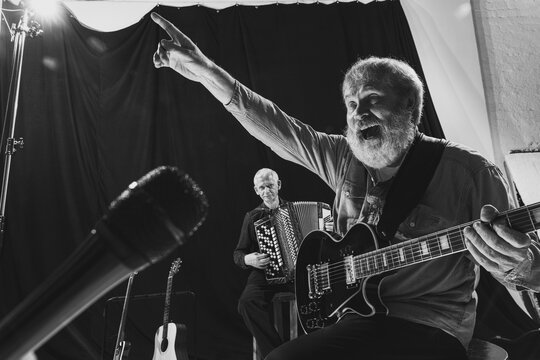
[371,132]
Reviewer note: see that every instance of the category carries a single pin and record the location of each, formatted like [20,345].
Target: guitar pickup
[348,264]
[325,277]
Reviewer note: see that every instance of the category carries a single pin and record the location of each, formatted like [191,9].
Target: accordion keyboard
[279,235]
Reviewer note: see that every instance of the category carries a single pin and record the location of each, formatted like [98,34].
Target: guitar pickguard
[326,282]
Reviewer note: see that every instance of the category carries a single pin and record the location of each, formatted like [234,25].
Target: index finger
[488,213]
[173,31]
[164,23]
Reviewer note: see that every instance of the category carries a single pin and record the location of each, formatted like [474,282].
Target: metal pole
[26,27]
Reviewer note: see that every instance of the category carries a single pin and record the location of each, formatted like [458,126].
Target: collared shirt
[438,293]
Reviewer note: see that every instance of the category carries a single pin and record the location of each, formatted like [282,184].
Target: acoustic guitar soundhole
[164,345]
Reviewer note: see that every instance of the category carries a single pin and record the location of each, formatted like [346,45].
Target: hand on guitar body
[257,260]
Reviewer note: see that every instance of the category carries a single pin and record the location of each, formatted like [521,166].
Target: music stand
[144,317]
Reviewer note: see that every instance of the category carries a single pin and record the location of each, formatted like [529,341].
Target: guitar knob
[313,306]
[320,323]
[304,310]
[311,324]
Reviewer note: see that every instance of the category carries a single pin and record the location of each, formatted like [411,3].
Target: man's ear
[255,188]
[411,102]
[410,106]
[279,184]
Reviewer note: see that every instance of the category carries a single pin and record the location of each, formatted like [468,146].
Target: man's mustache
[367,120]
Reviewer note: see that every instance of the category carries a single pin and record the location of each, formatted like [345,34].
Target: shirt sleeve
[245,242]
[288,137]
[526,276]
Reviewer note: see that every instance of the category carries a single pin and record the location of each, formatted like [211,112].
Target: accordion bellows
[280,234]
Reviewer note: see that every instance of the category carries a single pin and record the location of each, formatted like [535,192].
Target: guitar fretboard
[174,269]
[436,245]
[167,300]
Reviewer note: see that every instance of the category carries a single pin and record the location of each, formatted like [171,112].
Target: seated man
[255,303]
[430,305]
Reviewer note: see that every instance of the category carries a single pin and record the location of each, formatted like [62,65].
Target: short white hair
[265,171]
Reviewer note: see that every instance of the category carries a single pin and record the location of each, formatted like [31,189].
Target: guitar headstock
[175,266]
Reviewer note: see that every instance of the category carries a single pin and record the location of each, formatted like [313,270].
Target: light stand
[27,27]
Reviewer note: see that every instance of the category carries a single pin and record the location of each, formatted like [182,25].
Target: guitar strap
[412,180]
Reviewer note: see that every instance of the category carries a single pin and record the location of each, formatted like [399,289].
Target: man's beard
[393,140]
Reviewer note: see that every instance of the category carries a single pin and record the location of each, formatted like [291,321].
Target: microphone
[150,219]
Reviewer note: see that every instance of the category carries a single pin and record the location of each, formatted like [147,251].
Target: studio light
[43,8]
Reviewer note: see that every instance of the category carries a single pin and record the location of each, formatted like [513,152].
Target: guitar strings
[335,271]
[449,234]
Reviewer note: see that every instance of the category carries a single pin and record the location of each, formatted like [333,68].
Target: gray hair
[396,74]
[264,172]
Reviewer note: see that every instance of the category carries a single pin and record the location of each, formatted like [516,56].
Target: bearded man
[431,305]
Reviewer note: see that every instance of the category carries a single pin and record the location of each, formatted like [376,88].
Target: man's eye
[373,99]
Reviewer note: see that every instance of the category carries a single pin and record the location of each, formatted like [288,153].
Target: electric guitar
[170,339]
[334,274]
[122,347]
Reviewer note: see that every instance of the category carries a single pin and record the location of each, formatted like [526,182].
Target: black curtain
[95,115]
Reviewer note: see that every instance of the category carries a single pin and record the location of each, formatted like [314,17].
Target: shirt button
[412,224]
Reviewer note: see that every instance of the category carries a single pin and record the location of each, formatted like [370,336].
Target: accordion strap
[410,183]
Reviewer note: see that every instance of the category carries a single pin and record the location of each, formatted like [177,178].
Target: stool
[289,299]
[484,350]
[278,301]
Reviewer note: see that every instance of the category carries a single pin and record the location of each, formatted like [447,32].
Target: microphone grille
[154,215]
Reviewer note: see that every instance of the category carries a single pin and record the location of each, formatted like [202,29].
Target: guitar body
[324,290]
[174,346]
[335,274]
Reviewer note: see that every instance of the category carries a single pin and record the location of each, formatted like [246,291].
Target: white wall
[443,32]
[508,34]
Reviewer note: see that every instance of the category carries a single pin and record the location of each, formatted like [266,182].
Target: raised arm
[286,136]
[182,55]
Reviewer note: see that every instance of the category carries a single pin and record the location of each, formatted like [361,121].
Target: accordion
[279,235]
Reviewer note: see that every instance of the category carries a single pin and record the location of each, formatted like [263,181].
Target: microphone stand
[122,347]
[27,27]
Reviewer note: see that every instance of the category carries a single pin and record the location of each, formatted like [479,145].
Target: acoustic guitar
[170,341]
[335,274]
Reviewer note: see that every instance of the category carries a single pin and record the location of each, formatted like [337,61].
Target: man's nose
[362,110]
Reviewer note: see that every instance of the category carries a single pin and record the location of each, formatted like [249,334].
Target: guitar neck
[167,300]
[436,245]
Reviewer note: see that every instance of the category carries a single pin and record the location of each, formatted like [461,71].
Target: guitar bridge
[318,280]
